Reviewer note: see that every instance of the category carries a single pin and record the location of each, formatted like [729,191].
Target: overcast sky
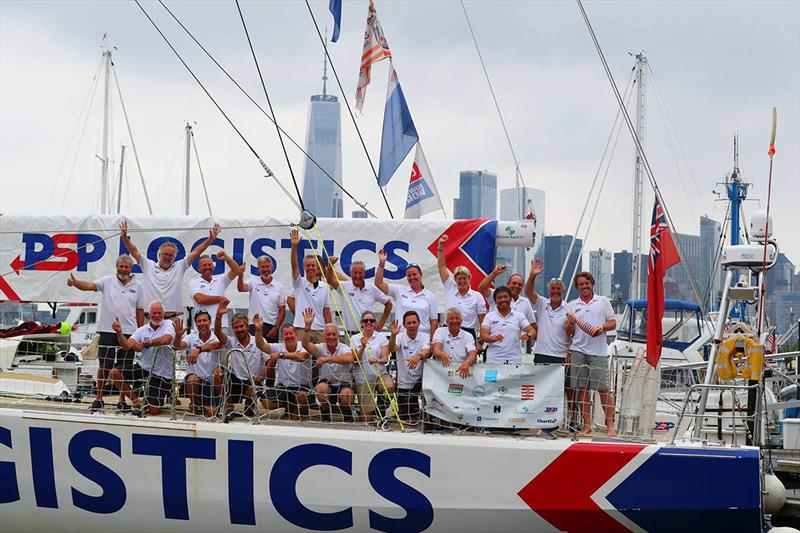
[719,68]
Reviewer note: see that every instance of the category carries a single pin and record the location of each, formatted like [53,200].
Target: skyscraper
[710,279]
[514,201]
[681,286]
[477,195]
[621,279]
[555,255]
[324,144]
[600,267]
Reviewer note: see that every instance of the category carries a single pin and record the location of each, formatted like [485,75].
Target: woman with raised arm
[412,297]
[458,292]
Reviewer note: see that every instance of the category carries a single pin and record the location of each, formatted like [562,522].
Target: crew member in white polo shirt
[208,291]
[371,349]
[203,378]
[309,292]
[356,296]
[163,279]
[121,296]
[156,366]
[246,362]
[412,297]
[334,360]
[293,380]
[519,302]
[267,299]
[552,340]
[458,293]
[591,316]
[451,344]
[503,329]
[412,347]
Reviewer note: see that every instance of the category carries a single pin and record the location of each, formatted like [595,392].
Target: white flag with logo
[422,194]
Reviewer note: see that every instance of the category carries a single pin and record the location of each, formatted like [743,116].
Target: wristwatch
[281,355]
[145,345]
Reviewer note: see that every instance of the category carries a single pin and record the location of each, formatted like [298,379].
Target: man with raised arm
[412,347]
[452,344]
[335,362]
[122,295]
[246,362]
[293,380]
[591,316]
[157,365]
[163,279]
[356,295]
[203,378]
[554,333]
[309,291]
[458,292]
[267,299]
[208,291]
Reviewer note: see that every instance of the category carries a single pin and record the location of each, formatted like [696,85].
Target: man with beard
[412,347]
[208,291]
[245,368]
[163,279]
[309,292]
[202,373]
[356,295]
[267,299]
[121,296]
[156,367]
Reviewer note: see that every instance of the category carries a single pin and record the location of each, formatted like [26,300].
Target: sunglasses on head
[368,321]
[556,279]
[413,265]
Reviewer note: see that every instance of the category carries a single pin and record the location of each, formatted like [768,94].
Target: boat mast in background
[638,175]
[104,189]
[186,197]
[736,190]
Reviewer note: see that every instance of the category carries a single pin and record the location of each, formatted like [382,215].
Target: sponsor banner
[511,396]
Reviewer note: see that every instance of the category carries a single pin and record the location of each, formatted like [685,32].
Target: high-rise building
[600,266]
[621,279]
[324,144]
[677,283]
[477,195]
[780,278]
[555,255]
[515,203]
[787,310]
[359,214]
[710,275]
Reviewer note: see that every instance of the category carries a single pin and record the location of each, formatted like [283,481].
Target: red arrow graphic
[17,264]
[459,232]
[562,492]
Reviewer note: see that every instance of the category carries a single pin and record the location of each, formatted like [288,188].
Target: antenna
[325,66]
[736,152]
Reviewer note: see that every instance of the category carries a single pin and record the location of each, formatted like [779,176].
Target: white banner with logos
[511,396]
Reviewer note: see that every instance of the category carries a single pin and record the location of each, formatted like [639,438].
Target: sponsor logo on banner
[522,409]
[455,388]
[516,419]
[546,421]
[526,391]
[502,391]
[497,408]
[664,426]
[490,376]
[551,409]
[478,391]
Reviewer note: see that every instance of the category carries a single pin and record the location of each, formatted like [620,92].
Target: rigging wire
[258,106]
[628,92]
[202,177]
[133,143]
[349,109]
[269,103]
[518,176]
[640,148]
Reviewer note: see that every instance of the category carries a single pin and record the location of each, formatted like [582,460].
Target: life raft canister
[752,364]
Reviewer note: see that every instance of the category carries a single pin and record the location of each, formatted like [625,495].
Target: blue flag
[336,10]
[399,134]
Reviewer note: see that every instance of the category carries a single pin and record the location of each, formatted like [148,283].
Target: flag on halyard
[663,255]
[422,194]
[399,134]
[336,10]
[375,49]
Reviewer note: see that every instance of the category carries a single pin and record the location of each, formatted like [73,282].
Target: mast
[638,176]
[736,189]
[104,189]
[188,130]
[119,184]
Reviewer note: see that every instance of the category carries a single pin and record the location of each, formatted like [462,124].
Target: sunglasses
[556,279]
[368,321]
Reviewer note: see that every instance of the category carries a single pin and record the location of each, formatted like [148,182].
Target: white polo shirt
[373,349]
[471,304]
[266,299]
[456,346]
[511,328]
[597,312]
[207,362]
[292,373]
[335,373]
[423,302]
[407,347]
[119,301]
[305,296]
[157,359]
[551,339]
[164,285]
[520,305]
[215,287]
[254,358]
[358,301]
